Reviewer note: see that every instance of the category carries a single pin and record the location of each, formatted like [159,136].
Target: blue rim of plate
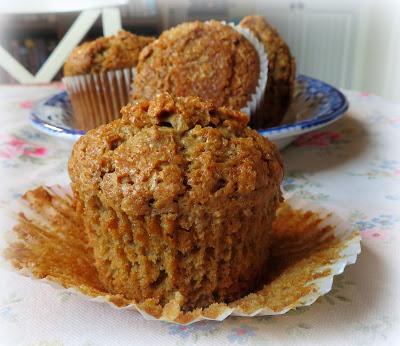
[337,102]
[337,105]
[47,126]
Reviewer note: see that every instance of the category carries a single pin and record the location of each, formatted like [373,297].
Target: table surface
[351,167]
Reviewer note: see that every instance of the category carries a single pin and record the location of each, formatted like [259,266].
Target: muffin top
[210,60]
[106,53]
[168,155]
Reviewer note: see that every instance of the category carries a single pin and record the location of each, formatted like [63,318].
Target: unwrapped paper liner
[346,248]
[98,98]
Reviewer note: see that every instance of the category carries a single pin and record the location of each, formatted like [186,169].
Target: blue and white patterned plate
[315,104]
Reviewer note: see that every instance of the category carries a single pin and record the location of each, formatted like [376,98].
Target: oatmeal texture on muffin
[210,60]
[178,197]
[281,72]
[106,53]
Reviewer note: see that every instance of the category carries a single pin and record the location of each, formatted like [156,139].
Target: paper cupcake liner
[98,98]
[317,242]
[257,97]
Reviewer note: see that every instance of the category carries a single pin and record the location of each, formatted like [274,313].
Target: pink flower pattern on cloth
[13,147]
[27,104]
[318,139]
[375,234]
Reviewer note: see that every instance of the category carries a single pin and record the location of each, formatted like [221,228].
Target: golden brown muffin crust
[106,53]
[281,71]
[178,196]
[209,60]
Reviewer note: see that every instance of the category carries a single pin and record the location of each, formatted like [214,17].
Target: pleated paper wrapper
[310,246]
[98,98]
[257,97]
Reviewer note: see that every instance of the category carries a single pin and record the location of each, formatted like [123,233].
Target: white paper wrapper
[258,96]
[98,98]
[346,247]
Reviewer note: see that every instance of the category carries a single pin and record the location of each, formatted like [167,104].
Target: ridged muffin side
[178,196]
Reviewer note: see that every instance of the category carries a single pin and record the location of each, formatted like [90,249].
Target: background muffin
[98,75]
[178,196]
[106,53]
[210,60]
[281,73]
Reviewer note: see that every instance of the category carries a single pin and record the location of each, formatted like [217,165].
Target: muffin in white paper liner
[321,244]
[98,98]
[258,96]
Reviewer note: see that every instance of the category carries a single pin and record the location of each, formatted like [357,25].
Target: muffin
[178,197]
[281,73]
[210,60]
[98,75]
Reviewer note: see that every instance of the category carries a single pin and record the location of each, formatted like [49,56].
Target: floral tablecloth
[351,167]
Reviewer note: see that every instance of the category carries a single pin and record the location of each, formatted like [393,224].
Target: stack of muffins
[177,194]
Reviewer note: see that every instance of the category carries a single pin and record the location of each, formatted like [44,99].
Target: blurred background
[352,44]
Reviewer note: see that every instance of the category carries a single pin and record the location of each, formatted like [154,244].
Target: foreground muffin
[281,72]
[210,60]
[98,75]
[178,196]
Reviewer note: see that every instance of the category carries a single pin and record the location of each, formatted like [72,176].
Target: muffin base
[49,244]
[221,267]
